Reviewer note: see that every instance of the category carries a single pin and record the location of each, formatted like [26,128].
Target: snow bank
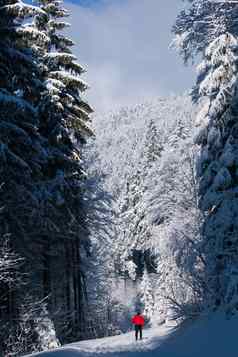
[212,336]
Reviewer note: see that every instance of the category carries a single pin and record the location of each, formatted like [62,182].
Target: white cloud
[124,44]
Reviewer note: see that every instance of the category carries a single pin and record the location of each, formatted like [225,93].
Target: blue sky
[124,45]
[91,3]
[86,3]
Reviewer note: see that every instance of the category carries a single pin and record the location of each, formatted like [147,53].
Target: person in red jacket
[139,321]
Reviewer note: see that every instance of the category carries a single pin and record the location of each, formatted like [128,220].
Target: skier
[139,321]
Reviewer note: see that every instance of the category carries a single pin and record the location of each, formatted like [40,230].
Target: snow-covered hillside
[211,336]
[146,208]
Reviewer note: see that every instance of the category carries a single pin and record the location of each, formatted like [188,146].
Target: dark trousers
[138,329]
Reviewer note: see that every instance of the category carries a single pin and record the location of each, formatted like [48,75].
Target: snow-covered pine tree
[153,144]
[150,156]
[105,313]
[40,167]
[63,72]
[22,148]
[181,283]
[202,22]
[23,159]
[63,121]
[147,295]
[217,163]
[133,216]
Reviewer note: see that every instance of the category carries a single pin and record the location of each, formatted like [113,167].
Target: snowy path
[123,344]
[212,336]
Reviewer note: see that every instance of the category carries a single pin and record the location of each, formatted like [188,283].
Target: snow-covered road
[212,336]
[124,344]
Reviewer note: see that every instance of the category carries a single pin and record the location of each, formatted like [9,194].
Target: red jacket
[138,320]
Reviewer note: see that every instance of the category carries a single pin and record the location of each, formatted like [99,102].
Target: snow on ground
[212,336]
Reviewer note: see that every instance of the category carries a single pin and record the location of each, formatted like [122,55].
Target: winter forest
[106,213]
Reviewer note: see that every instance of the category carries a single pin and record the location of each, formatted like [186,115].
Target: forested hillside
[145,158]
[168,170]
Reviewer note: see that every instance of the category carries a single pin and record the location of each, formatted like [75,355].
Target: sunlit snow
[211,336]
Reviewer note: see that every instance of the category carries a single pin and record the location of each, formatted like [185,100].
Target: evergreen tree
[217,91]
[41,192]
[133,214]
[23,149]
[153,145]
[147,295]
[217,165]
[63,121]
[63,72]
[201,23]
